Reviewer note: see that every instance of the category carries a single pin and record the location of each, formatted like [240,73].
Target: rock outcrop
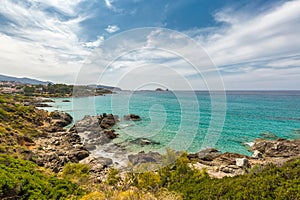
[206,155]
[231,164]
[142,157]
[277,148]
[56,121]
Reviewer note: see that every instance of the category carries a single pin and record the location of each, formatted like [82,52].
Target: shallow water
[193,121]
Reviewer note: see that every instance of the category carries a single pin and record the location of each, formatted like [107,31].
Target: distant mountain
[23,80]
[106,87]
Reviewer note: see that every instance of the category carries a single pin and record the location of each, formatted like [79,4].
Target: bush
[21,179]
[113,177]
[76,172]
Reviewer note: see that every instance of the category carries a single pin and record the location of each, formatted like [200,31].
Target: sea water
[184,120]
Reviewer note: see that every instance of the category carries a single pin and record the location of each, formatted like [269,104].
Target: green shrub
[113,177]
[271,182]
[76,172]
[22,180]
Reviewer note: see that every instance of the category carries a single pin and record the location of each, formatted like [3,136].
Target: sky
[239,45]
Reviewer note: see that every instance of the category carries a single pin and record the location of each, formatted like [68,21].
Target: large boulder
[257,154]
[107,121]
[76,155]
[242,162]
[60,119]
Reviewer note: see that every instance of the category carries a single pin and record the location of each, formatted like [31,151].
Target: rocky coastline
[90,141]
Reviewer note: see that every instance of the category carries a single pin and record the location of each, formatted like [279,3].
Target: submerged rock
[144,141]
[269,136]
[132,117]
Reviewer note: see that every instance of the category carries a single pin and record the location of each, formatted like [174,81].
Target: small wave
[125,125]
[249,144]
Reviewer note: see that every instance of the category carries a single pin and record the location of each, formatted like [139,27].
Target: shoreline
[217,164]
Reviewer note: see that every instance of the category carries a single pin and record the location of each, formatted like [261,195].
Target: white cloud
[267,35]
[108,4]
[67,6]
[252,46]
[111,7]
[284,63]
[95,43]
[38,44]
[112,28]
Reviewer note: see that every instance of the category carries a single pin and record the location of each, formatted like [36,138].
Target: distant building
[10,90]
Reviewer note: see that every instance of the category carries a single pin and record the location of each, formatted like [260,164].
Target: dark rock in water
[110,134]
[150,157]
[95,123]
[60,119]
[277,148]
[65,100]
[42,105]
[206,154]
[144,141]
[47,100]
[107,121]
[132,117]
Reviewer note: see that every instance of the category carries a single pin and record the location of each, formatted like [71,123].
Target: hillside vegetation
[18,123]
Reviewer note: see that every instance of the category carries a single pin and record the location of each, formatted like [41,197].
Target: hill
[23,80]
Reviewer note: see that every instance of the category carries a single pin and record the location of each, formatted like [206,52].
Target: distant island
[160,89]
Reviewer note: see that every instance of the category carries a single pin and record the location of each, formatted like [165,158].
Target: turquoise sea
[184,120]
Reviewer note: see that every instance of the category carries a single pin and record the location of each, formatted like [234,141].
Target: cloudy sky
[248,44]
